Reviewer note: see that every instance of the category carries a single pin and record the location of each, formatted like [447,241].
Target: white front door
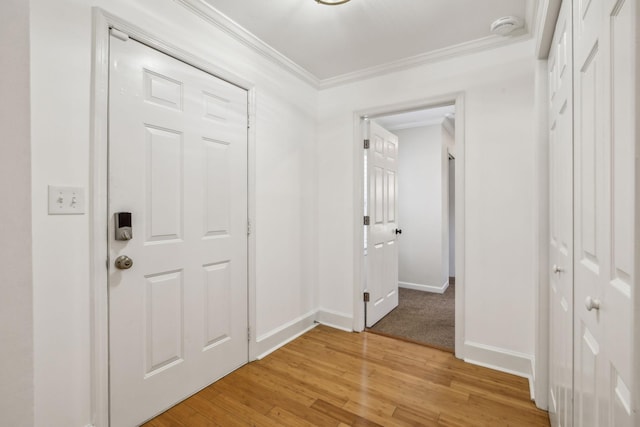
[561,222]
[382,247]
[178,164]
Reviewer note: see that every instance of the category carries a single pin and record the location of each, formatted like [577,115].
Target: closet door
[619,286]
[604,210]
[561,222]
[593,133]
[591,204]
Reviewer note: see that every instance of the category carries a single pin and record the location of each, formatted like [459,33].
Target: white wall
[498,93]
[420,195]
[16,300]
[61,34]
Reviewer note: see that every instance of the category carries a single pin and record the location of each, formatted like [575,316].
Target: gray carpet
[422,316]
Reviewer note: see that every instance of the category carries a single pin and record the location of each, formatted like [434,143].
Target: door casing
[99,332]
[358,179]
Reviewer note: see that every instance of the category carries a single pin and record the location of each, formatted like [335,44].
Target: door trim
[358,180]
[98,216]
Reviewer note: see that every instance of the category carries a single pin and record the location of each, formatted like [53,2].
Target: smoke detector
[506,25]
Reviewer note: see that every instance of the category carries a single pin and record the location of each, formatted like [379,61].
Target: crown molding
[229,26]
[466,48]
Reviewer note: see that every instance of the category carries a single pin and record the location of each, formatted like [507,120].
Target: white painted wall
[286,109]
[421,262]
[16,300]
[498,87]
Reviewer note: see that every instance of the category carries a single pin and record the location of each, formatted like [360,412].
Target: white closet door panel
[619,287]
[561,222]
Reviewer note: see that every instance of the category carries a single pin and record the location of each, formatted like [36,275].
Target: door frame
[103,21]
[359,275]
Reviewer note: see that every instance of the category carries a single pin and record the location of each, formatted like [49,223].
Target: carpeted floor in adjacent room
[422,316]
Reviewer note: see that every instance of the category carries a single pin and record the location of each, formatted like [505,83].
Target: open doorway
[426,216]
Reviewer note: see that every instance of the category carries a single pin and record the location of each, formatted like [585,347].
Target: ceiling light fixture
[331,2]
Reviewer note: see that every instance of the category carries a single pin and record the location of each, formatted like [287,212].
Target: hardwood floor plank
[275,398]
[333,378]
[243,392]
[416,416]
[522,417]
[504,395]
[212,411]
[262,374]
[177,416]
[318,385]
[286,418]
[342,415]
[370,412]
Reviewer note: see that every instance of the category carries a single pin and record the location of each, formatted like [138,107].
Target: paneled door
[591,380]
[604,48]
[382,232]
[561,222]
[178,164]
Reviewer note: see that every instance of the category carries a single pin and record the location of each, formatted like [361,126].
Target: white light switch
[66,200]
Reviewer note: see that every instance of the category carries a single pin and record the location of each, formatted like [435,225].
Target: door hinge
[366,144]
[248,121]
[248,227]
[249,333]
[366,220]
[366,297]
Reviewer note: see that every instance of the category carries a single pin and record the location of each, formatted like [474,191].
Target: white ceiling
[332,41]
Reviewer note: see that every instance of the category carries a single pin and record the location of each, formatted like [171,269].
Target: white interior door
[604,211]
[382,247]
[561,222]
[178,163]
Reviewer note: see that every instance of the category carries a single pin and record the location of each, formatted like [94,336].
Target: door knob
[557,269]
[398,231]
[123,262]
[592,303]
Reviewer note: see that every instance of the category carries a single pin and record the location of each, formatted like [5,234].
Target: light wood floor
[333,378]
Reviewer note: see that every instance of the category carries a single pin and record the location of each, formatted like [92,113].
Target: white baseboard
[500,359]
[335,320]
[273,340]
[425,288]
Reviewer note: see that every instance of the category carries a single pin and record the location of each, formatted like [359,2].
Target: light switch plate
[66,200]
